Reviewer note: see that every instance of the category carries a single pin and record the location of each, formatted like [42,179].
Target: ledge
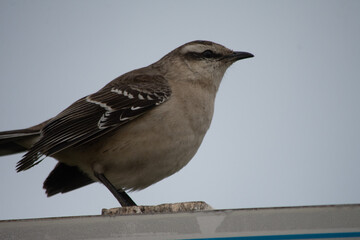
[320,222]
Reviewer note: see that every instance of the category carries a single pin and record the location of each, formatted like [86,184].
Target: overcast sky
[286,128]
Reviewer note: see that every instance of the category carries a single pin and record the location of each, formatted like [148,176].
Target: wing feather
[119,102]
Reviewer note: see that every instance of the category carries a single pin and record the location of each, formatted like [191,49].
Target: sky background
[286,128]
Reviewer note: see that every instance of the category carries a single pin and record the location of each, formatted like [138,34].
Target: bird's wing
[119,102]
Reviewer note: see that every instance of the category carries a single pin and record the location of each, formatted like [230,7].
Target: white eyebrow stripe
[196,47]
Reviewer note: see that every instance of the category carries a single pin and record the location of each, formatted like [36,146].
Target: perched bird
[137,130]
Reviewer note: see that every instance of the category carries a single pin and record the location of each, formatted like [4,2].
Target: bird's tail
[62,179]
[17,141]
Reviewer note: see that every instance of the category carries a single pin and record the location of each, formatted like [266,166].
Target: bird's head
[204,60]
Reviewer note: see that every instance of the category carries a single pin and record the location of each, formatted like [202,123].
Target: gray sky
[286,129]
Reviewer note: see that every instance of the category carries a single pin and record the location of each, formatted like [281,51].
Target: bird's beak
[235,56]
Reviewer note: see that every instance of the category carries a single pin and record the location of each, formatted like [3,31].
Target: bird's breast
[151,147]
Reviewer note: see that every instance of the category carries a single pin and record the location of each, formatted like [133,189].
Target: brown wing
[116,104]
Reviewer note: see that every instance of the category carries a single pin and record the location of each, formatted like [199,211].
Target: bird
[140,128]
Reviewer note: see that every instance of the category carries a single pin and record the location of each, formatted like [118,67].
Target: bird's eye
[208,54]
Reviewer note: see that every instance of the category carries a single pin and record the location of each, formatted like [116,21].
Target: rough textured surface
[162,208]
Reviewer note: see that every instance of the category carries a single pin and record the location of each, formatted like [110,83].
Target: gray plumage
[140,128]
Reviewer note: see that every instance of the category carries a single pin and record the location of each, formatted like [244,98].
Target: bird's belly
[142,152]
[143,161]
[147,161]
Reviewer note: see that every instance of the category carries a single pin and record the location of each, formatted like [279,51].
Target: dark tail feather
[17,141]
[64,178]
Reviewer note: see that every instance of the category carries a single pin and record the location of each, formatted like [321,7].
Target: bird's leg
[119,194]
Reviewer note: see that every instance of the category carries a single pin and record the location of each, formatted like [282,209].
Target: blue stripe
[291,236]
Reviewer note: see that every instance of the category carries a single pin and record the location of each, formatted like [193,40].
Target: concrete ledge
[314,222]
[163,208]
